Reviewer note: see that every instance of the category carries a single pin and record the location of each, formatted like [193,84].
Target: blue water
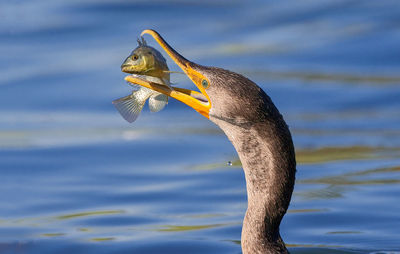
[77,178]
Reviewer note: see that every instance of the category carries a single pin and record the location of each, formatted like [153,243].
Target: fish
[148,64]
[130,106]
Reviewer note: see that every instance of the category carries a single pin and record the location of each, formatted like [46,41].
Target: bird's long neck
[267,155]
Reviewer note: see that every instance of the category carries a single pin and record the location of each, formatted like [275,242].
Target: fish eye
[204,83]
[135,57]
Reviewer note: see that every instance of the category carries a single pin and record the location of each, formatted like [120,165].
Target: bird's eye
[135,57]
[204,83]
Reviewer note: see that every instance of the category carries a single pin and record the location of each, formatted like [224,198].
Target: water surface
[77,178]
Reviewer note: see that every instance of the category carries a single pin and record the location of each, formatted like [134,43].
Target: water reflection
[85,214]
[322,78]
[172,228]
[334,186]
[352,178]
[327,154]
[102,239]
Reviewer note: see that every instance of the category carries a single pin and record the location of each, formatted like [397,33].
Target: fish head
[146,60]
[198,100]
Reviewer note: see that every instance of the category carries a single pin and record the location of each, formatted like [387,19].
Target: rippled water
[76,178]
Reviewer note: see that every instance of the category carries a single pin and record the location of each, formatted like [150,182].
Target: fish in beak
[198,100]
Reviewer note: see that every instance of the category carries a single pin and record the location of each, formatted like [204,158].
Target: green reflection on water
[102,239]
[306,210]
[326,154]
[84,214]
[53,234]
[174,228]
[334,186]
[342,78]
[350,178]
[322,155]
[326,192]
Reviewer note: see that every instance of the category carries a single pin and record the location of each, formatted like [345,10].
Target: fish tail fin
[157,102]
[129,107]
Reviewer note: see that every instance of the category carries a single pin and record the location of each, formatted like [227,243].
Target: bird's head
[223,95]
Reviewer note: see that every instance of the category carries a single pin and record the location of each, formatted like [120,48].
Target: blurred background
[76,178]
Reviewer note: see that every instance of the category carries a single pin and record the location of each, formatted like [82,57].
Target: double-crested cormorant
[259,134]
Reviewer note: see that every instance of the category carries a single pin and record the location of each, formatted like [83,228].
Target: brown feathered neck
[264,144]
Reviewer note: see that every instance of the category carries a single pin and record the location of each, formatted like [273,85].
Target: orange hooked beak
[199,101]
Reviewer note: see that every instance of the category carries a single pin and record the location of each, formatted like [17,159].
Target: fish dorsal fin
[129,107]
[157,102]
[141,41]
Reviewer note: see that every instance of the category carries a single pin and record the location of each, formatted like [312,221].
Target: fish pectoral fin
[129,107]
[157,102]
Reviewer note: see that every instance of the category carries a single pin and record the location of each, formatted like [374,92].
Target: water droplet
[229,163]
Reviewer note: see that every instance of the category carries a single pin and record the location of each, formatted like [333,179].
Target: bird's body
[260,136]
